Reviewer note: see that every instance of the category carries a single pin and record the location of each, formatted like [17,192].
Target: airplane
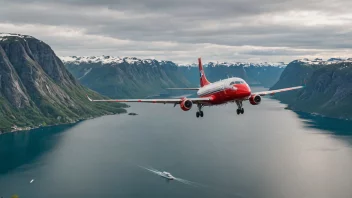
[167,175]
[234,90]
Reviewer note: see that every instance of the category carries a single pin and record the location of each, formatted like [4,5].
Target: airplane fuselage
[224,91]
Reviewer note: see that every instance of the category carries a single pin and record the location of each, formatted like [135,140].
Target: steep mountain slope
[328,90]
[36,89]
[132,77]
[125,77]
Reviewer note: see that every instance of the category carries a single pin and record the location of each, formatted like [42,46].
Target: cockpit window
[237,82]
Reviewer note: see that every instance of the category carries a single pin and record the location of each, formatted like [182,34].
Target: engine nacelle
[186,105]
[255,99]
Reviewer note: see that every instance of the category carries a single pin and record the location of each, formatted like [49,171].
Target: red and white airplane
[234,90]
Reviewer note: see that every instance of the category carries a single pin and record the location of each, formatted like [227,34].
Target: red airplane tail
[203,79]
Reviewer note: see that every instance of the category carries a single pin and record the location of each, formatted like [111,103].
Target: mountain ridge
[103,59]
[131,77]
[36,89]
[328,89]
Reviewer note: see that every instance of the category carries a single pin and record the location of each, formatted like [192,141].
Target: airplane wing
[163,101]
[272,92]
[183,88]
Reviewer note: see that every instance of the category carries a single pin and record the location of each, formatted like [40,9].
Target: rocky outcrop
[328,88]
[36,89]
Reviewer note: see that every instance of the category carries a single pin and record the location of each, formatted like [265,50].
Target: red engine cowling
[186,105]
[255,99]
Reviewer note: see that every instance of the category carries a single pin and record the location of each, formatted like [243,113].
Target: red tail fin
[203,79]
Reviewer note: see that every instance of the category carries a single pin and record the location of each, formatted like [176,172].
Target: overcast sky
[182,30]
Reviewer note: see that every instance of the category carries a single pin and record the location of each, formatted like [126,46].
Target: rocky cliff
[328,88]
[36,89]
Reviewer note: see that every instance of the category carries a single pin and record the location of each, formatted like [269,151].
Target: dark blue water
[267,152]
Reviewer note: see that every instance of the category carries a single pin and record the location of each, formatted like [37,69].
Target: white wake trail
[157,172]
[190,183]
[152,170]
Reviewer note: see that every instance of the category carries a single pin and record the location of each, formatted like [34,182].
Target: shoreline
[315,114]
[23,129]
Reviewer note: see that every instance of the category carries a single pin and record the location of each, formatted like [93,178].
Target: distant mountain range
[328,89]
[37,90]
[125,77]
[130,77]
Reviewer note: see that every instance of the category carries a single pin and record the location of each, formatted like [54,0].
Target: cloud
[224,30]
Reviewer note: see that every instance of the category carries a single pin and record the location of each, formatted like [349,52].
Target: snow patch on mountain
[111,60]
[320,61]
[237,64]
[107,60]
[246,64]
[91,59]
[5,36]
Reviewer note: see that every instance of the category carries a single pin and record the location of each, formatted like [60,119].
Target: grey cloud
[278,52]
[232,23]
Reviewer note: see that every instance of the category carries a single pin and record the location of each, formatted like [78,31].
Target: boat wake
[184,181]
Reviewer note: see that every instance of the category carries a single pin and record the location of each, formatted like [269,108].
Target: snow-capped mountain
[6,36]
[247,64]
[320,61]
[133,60]
[133,77]
[109,60]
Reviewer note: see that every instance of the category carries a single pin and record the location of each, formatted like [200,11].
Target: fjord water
[267,152]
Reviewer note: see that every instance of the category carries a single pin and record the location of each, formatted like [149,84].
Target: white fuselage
[217,86]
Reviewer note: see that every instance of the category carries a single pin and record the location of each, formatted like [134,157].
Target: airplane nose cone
[243,90]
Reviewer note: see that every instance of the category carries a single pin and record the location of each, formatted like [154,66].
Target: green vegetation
[52,114]
[328,88]
[36,89]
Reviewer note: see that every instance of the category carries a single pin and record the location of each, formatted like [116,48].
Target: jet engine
[186,105]
[255,99]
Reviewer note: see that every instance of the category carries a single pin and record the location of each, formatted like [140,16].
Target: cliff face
[134,78]
[36,89]
[328,88]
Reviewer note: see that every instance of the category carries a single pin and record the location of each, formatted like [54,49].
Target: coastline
[27,128]
[317,114]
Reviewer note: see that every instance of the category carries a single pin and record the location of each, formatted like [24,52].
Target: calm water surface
[267,152]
